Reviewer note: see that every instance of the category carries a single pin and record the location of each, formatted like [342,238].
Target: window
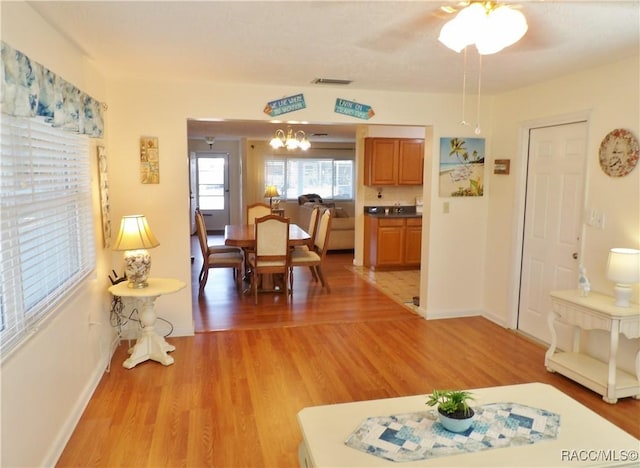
[46,225]
[329,178]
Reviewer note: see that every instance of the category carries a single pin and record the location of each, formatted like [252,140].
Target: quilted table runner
[418,436]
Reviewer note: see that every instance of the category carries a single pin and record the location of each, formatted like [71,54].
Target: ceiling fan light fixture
[504,27]
[491,28]
[451,37]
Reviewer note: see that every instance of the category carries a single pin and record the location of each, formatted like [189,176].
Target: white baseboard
[66,431]
[501,321]
[444,314]
[182,332]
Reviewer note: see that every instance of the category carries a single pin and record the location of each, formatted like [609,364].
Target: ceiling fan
[403,34]
[488,25]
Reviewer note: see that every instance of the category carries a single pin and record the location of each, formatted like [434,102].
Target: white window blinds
[46,226]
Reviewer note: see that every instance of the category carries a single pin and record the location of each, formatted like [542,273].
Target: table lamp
[271,191]
[135,238]
[623,267]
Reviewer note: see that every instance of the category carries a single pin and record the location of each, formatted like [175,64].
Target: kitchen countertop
[394,215]
[394,212]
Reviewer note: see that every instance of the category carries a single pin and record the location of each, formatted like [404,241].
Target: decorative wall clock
[618,153]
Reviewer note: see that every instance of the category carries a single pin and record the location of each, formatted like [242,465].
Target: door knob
[575,255]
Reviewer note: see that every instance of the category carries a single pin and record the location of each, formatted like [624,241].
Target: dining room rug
[402,286]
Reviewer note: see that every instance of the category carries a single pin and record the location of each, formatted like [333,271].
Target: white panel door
[553,223]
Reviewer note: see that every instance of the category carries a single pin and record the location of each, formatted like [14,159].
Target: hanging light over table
[290,140]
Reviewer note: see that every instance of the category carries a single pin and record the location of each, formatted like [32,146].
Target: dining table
[244,235]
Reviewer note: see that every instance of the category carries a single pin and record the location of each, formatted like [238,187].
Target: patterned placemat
[419,436]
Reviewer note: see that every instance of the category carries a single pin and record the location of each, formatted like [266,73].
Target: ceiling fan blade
[403,34]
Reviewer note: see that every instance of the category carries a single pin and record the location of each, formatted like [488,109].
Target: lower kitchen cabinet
[392,242]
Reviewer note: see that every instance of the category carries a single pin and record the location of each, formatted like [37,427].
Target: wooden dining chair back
[257,210]
[313,229]
[216,256]
[271,254]
[314,258]
[199,218]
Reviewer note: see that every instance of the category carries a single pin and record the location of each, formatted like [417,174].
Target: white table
[595,311]
[149,344]
[583,434]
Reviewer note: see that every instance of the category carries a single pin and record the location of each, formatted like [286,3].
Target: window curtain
[27,89]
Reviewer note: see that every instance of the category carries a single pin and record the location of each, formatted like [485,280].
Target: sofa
[342,234]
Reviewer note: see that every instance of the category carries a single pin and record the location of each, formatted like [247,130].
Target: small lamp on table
[135,237]
[623,268]
[271,191]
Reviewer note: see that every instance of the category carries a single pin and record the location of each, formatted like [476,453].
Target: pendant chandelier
[488,26]
[290,140]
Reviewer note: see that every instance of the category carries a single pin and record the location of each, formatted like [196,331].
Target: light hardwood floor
[231,398]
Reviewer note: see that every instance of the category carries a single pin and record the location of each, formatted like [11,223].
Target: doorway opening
[211,189]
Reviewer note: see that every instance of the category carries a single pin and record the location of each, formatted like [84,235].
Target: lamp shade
[135,234]
[623,266]
[271,191]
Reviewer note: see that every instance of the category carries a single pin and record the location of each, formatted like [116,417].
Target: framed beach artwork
[461,167]
[149,160]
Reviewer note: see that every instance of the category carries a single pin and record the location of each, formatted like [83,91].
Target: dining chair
[313,225]
[314,258]
[257,210]
[216,256]
[271,255]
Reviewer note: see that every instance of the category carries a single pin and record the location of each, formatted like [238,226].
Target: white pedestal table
[149,344]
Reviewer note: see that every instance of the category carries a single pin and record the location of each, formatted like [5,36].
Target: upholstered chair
[257,210]
[216,256]
[271,256]
[314,258]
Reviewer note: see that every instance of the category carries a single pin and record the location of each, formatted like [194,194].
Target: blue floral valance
[27,89]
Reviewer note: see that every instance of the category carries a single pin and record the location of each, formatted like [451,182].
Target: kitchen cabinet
[392,242]
[413,241]
[393,161]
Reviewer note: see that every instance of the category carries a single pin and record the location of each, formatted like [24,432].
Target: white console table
[149,345]
[594,312]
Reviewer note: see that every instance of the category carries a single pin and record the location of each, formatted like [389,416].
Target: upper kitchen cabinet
[393,161]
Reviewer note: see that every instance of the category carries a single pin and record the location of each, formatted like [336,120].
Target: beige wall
[47,381]
[609,97]
[606,107]
[161,109]
[56,371]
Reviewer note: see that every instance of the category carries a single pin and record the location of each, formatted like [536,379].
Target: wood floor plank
[232,396]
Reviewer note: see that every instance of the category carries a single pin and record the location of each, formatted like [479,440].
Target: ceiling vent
[331,81]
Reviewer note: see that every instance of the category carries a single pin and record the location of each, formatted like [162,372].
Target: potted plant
[453,408]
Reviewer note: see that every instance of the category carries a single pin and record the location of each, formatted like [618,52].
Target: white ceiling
[380,45]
